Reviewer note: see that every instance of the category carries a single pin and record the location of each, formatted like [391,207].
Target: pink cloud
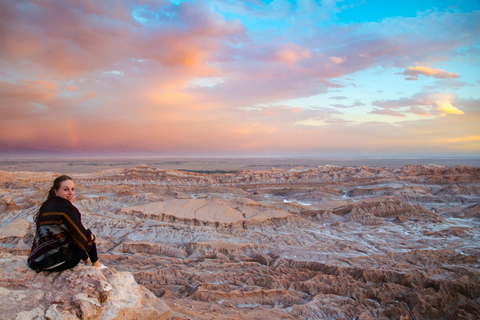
[290,53]
[24,98]
[76,38]
[419,110]
[336,60]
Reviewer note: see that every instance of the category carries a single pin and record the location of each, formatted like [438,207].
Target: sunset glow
[231,77]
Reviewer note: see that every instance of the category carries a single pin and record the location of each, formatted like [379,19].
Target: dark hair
[51,193]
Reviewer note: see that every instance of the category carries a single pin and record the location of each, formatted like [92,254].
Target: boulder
[83,292]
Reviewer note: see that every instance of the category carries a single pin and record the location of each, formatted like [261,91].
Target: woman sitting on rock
[61,240]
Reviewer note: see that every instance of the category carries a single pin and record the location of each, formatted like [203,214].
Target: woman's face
[66,190]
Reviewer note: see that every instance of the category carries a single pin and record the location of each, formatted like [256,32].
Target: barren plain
[286,242]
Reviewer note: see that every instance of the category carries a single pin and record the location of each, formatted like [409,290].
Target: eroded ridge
[307,243]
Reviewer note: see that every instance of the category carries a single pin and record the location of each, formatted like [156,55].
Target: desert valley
[306,242]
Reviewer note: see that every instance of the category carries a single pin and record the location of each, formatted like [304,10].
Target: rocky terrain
[321,242]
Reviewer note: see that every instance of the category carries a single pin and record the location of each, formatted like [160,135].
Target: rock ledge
[83,292]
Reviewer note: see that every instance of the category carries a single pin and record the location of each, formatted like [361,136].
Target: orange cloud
[171,98]
[465,139]
[414,72]
[467,143]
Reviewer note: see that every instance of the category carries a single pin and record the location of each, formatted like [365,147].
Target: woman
[61,240]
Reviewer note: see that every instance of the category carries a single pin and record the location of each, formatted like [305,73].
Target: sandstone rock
[473,212]
[152,248]
[211,248]
[16,229]
[384,207]
[79,293]
[207,212]
[457,190]
[17,235]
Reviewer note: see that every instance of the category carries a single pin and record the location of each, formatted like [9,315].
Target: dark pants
[92,254]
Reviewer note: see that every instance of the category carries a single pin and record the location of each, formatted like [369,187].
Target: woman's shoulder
[59,204]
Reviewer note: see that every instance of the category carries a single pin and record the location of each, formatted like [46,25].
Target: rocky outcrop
[130,247]
[215,212]
[370,211]
[199,250]
[470,212]
[79,293]
[321,174]
[377,287]
[16,234]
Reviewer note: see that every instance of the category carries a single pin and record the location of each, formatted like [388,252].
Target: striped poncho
[59,237]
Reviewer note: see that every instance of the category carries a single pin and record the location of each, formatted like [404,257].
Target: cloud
[465,139]
[425,104]
[73,38]
[125,74]
[302,10]
[355,104]
[113,73]
[419,110]
[446,107]
[358,104]
[283,116]
[290,53]
[338,105]
[414,72]
[196,41]
[388,112]
[25,98]
[336,60]
[444,103]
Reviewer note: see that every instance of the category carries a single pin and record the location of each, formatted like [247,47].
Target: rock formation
[308,243]
[79,293]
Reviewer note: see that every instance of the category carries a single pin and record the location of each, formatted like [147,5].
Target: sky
[240,78]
